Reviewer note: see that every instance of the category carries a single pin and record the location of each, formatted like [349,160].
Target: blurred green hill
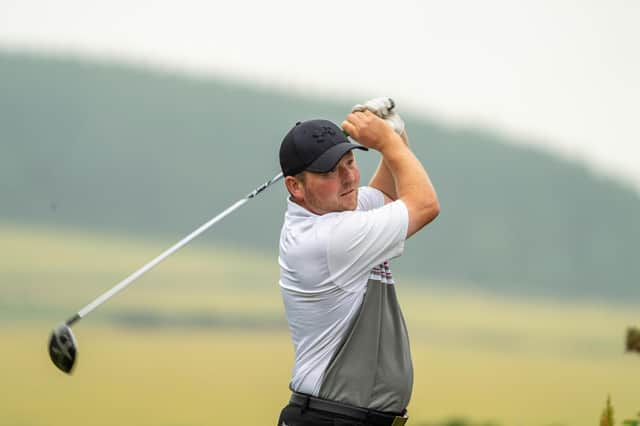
[111,147]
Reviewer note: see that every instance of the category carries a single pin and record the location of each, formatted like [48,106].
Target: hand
[369,130]
[383,108]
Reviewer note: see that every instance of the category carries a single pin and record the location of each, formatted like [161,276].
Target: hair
[302,176]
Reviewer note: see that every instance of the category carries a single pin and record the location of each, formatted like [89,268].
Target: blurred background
[126,125]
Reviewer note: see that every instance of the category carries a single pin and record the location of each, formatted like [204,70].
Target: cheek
[328,189]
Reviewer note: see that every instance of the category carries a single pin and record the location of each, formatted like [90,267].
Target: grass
[150,377]
[476,356]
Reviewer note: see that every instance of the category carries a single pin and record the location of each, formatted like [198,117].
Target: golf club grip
[137,274]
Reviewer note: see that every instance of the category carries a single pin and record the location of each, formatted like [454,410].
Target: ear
[295,187]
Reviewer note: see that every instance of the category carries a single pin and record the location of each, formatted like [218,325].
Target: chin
[351,205]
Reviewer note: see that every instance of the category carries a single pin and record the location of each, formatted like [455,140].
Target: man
[352,359]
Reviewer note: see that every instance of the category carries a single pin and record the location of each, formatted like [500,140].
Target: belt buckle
[400,420]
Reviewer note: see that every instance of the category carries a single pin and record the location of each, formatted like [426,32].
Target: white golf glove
[383,108]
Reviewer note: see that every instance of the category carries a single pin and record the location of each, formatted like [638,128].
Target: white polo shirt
[326,262]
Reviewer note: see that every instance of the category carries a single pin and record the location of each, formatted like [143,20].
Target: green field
[202,340]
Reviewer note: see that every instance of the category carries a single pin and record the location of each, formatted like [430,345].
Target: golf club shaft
[137,274]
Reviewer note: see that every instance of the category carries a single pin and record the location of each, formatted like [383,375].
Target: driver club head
[63,348]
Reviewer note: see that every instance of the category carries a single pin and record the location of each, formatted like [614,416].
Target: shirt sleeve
[362,239]
[369,198]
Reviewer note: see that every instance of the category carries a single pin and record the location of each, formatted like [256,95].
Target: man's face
[334,191]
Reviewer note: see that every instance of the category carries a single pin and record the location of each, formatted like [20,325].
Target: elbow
[428,210]
[421,214]
[435,209]
[432,210]
[423,208]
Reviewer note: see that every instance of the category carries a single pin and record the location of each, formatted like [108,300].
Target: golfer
[352,359]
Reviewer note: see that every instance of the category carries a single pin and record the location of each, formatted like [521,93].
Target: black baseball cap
[314,145]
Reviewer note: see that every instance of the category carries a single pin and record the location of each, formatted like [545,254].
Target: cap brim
[328,160]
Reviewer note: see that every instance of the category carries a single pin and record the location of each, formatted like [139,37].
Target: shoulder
[370,198]
[358,240]
[343,224]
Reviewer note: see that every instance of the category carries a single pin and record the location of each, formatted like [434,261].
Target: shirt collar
[295,210]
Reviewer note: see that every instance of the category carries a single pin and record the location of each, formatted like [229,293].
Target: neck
[305,206]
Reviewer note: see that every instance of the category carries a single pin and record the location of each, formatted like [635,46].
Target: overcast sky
[564,74]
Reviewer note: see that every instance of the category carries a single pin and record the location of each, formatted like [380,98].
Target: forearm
[383,179]
[412,184]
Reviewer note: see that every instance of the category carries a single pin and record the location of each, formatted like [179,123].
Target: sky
[561,75]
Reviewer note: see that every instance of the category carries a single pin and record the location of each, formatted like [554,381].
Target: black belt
[361,414]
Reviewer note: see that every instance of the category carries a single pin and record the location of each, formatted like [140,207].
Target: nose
[348,174]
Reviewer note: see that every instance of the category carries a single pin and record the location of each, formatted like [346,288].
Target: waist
[358,413]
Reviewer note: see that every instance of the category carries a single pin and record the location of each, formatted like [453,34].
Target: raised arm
[383,180]
[412,183]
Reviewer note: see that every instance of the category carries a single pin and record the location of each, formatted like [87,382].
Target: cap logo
[319,134]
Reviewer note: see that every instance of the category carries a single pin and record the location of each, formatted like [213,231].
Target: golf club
[63,348]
